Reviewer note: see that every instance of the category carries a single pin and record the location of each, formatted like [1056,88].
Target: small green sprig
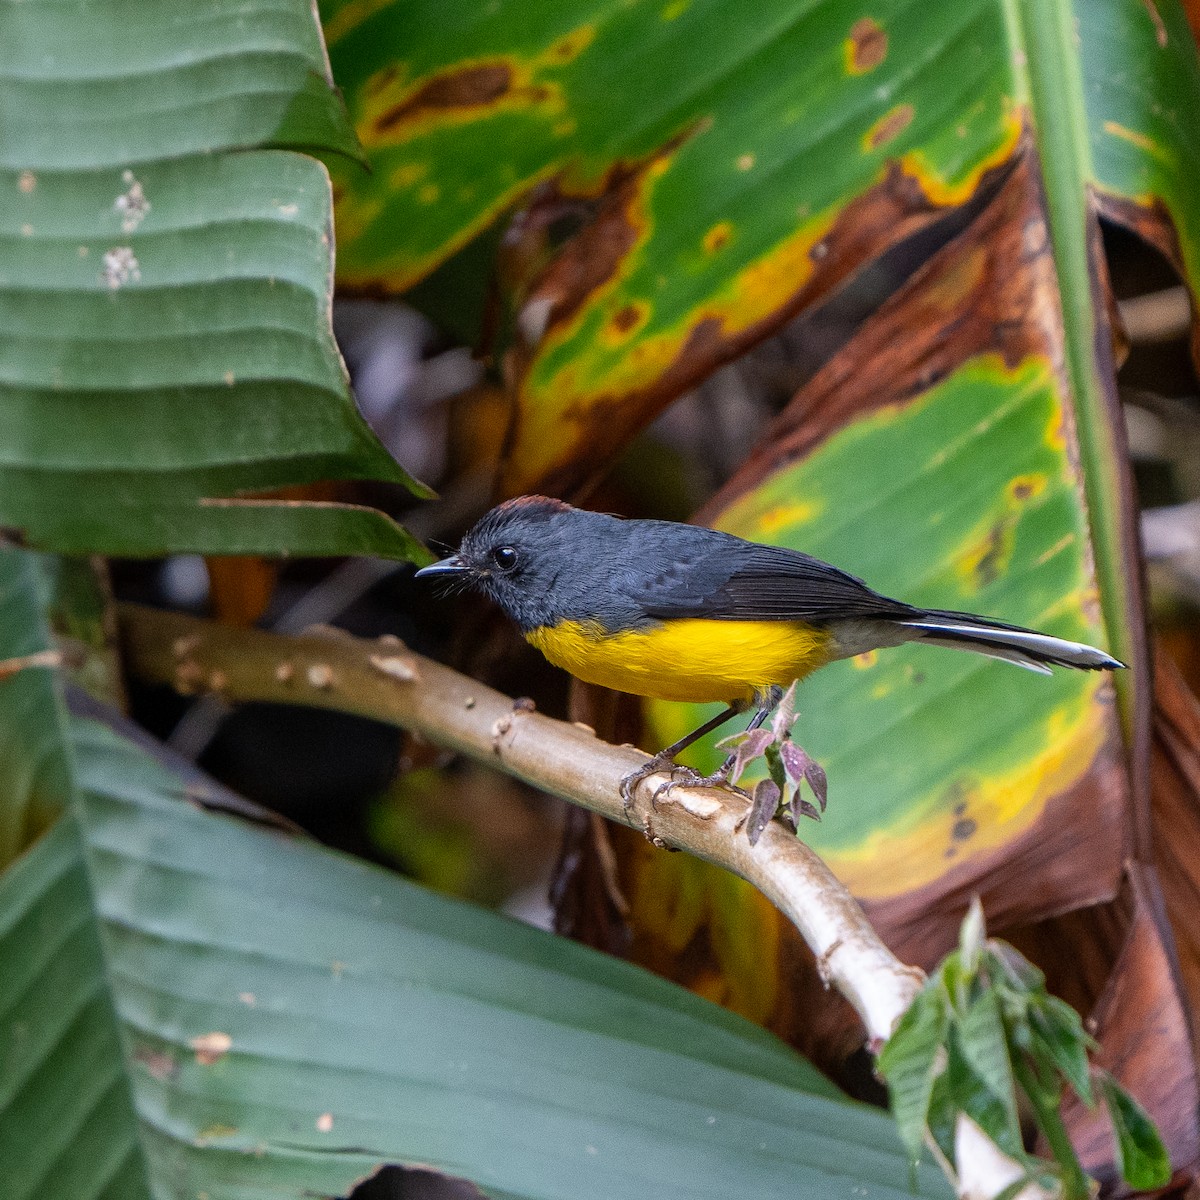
[985,1031]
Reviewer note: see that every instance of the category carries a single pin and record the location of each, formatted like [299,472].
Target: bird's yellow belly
[694,660]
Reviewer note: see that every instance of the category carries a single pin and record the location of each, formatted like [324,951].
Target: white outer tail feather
[1023,647]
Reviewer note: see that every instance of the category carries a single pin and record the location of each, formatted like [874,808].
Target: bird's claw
[680,777]
[690,777]
[629,785]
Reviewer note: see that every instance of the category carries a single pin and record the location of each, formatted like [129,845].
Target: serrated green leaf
[943,1114]
[1059,1033]
[1141,1155]
[974,1094]
[984,1046]
[909,1062]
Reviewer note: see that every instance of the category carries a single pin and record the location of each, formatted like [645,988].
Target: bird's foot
[652,766]
[690,777]
[680,777]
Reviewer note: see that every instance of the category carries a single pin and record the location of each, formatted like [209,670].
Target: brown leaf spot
[462,88]
[324,1123]
[963,829]
[745,162]
[986,559]
[572,45]
[890,126]
[1025,487]
[717,237]
[866,47]
[211,1047]
[27,181]
[626,319]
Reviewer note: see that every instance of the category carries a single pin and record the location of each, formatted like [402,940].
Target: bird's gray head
[516,555]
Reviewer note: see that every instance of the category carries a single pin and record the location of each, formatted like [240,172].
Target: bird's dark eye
[505,558]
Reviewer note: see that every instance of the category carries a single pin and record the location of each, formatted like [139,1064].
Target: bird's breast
[693,660]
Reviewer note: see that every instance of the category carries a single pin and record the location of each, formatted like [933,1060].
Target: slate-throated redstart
[680,612]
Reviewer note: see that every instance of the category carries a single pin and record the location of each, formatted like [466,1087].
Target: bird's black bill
[448,567]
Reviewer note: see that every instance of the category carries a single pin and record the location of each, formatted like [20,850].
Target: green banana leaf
[191,1005]
[165,284]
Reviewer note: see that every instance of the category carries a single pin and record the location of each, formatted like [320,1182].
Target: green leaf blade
[363,1021]
[984,1046]
[909,1062]
[165,280]
[1141,1155]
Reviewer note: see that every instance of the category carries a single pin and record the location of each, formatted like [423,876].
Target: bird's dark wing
[720,577]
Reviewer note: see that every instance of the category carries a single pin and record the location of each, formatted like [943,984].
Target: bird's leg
[666,758]
[688,776]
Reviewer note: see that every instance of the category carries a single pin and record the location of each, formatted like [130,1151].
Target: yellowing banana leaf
[738,167]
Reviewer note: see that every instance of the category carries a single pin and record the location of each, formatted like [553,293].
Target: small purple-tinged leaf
[799,765]
[800,807]
[785,714]
[818,782]
[795,761]
[747,746]
[763,806]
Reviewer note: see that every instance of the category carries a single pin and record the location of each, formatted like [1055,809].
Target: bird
[688,613]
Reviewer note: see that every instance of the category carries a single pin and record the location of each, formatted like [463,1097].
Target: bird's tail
[1026,647]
